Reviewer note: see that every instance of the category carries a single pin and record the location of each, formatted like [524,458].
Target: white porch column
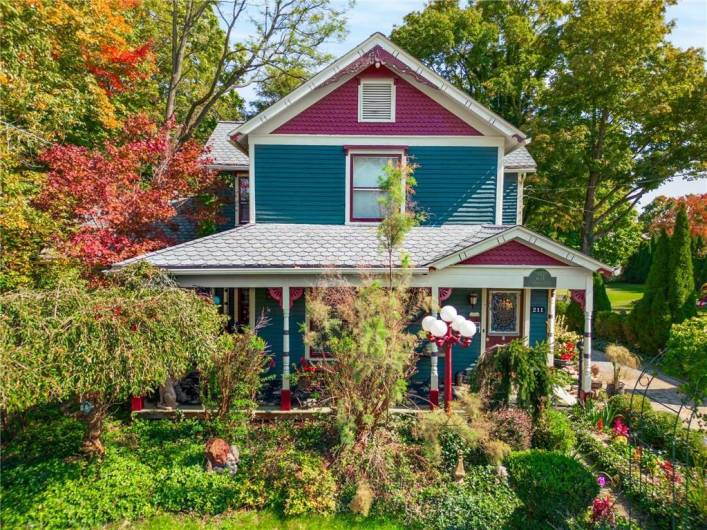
[587,344]
[551,327]
[285,399]
[526,316]
[434,373]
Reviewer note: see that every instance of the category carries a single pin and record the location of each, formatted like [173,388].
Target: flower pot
[615,390]
[561,363]
[597,384]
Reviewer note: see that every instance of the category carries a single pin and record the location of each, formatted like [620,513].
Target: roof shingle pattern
[519,159]
[222,152]
[313,246]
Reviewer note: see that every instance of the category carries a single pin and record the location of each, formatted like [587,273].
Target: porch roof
[314,247]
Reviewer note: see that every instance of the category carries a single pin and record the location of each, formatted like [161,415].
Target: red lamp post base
[137,403]
[434,398]
[285,400]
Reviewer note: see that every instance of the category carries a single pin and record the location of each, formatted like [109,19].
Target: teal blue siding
[272,333]
[455,185]
[462,358]
[300,184]
[510,198]
[538,321]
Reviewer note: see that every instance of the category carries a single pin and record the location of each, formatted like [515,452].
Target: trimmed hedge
[552,486]
[554,432]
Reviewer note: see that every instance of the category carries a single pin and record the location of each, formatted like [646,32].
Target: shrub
[610,326]
[574,317]
[512,426]
[551,485]
[620,356]
[190,488]
[308,487]
[686,356]
[482,501]
[515,366]
[554,432]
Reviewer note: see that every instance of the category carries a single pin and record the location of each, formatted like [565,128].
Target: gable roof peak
[401,62]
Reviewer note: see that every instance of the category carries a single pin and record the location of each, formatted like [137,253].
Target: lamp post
[450,329]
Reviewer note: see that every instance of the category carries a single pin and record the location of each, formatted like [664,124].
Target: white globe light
[447,313]
[467,329]
[439,328]
[457,322]
[427,323]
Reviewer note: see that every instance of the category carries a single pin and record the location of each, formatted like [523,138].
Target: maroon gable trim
[512,253]
[415,113]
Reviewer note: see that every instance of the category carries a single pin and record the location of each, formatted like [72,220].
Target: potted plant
[566,352]
[620,357]
[596,382]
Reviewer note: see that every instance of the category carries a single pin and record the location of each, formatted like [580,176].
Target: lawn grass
[257,521]
[624,295]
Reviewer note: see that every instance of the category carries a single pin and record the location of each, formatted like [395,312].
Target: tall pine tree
[651,317]
[681,290]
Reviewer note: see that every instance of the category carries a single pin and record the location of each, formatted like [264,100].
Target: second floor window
[366,172]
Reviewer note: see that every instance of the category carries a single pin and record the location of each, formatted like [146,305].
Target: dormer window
[376,100]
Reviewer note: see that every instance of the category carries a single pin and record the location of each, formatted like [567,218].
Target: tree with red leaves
[117,202]
[661,212]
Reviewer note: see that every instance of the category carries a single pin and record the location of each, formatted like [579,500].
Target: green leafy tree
[498,52]
[623,112]
[399,215]
[278,83]
[699,262]
[281,33]
[650,319]
[681,291]
[686,356]
[103,345]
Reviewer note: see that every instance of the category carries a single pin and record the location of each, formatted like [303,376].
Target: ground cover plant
[153,470]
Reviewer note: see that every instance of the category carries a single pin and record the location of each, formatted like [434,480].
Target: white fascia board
[561,252]
[514,136]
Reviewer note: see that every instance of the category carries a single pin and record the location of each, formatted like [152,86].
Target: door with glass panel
[504,317]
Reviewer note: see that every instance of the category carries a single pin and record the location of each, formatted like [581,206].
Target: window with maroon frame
[366,173]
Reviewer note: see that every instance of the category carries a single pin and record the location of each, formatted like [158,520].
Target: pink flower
[620,428]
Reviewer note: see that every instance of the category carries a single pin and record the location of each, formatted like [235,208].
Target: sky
[370,16]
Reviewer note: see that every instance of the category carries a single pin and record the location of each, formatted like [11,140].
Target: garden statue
[459,472]
[221,457]
[168,396]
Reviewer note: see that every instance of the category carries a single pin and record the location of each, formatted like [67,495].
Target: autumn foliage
[117,201]
[661,213]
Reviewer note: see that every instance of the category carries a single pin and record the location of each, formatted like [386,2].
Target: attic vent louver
[376,101]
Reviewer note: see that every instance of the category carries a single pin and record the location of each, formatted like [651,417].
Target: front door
[504,317]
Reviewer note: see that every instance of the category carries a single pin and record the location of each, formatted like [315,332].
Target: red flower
[600,425]
[670,472]
[603,510]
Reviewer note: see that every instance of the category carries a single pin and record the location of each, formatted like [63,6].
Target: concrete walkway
[662,390]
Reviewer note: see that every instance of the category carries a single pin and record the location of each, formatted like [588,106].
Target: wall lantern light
[473,298]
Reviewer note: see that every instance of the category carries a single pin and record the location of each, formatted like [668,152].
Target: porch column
[434,374]
[551,327]
[285,400]
[586,376]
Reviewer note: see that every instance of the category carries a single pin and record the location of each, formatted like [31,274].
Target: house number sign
[537,309]
[540,278]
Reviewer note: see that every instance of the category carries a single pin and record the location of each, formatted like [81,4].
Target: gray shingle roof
[223,153]
[313,246]
[519,159]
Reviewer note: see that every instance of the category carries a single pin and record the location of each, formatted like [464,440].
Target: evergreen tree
[681,291]
[699,262]
[601,299]
[638,265]
[650,319]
